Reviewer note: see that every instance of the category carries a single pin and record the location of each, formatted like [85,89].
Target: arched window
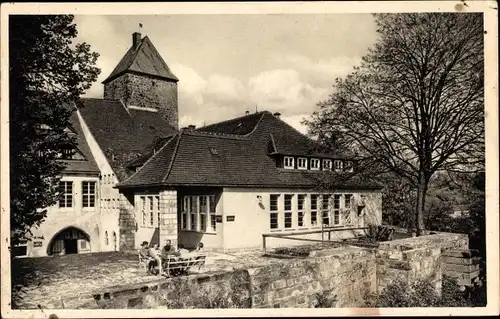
[114,241]
[106,239]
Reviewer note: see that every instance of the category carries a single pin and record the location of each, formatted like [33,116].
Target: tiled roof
[87,165]
[123,134]
[238,126]
[144,60]
[211,157]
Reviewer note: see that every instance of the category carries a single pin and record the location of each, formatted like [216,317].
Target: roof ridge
[233,119]
[273,142]
[173,158]
[258,123]
[149,159]
[125,107]
[216,134]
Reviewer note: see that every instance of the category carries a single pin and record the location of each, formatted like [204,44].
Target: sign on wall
[218,218]
[37,244]
[230,218]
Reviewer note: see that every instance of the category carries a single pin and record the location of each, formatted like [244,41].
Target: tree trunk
[421,192]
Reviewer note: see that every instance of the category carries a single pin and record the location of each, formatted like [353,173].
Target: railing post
[264,243]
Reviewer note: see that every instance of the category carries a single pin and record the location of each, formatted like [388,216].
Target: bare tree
[415,104]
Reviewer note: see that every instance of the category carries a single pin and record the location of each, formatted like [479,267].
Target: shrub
[423,294]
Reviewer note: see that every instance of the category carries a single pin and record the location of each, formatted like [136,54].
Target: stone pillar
[168,217]
[127,224]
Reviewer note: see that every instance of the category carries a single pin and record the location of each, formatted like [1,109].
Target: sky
[229,64]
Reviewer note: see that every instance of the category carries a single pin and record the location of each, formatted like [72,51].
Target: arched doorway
[70,240]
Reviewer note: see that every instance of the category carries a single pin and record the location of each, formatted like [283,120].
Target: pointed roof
[146,60]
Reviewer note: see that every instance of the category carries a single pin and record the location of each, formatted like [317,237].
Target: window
[66,191]
[349,167]
[338,165]
[327,165]
[185,209]
[288,162]
[203,213]
[67,153]
[151,210]
[212,209]
[347,201]
[273,208]
[314,210]
[325,214]
[193,212]
[300,209]
[314,163]
[143,210]
[88,194]
[106,239]
[336,209]
[83,244]
[302,163]
[288,210]
[21,249]
[198,213]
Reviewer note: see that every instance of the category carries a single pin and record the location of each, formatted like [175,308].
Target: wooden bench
[173,266]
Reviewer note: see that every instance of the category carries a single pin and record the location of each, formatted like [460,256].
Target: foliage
[415,104]
[325,299]
[47,71]
[423,294]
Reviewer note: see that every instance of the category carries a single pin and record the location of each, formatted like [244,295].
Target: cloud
[225,89]
[295,122]
[322,72]
[282,90]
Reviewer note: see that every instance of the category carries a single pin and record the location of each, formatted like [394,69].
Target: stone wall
[340,277]
[415,258]
[146,91]
[127,222]
[168,217]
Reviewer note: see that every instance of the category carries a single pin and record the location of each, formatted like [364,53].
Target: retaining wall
[340,277]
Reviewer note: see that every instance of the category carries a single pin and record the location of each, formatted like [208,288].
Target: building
[224,184]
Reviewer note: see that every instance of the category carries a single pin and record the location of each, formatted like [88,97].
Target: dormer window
[349,167]
[288,162]
[302,163]
[327,165]
[338,165]
[314,164]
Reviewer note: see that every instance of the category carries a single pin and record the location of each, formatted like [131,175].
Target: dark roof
[239,126]
[122,133]
[143,60]
[87,165]
[199,157]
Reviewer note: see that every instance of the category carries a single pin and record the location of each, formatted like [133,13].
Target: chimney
[136,39]
[277,115]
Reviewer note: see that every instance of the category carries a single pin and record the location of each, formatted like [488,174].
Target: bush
[423,294]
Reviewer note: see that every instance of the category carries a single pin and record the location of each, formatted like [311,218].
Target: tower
[142,79]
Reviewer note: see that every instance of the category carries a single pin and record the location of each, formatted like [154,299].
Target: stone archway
[69,240]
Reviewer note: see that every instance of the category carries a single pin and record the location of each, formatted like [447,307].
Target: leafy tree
[415,104]
[47,71]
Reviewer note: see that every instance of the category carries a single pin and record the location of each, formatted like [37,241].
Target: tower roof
[142,58]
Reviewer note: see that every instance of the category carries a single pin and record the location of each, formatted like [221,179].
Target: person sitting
[199,248]
[145,253]
[168,250]
[156,260]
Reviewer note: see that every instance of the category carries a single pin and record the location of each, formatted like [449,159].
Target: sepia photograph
[249,158]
